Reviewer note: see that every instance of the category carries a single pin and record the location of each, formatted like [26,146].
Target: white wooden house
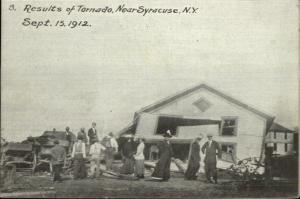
[240,129]
[281,139]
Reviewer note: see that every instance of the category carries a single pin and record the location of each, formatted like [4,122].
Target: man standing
[210,149]
[92,133]
[58,154]
[79,155]
[162,168]
[111,148]
[194,159]
[71,139]
[82,134]
[95,152]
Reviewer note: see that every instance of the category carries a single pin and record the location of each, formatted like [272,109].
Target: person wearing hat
[111,148]
[79,154]
[194,159]
[95,152]
[58,155]
[211,149]
[127,152]
[162,168]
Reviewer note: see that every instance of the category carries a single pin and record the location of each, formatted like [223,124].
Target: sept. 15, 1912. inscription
[82,9]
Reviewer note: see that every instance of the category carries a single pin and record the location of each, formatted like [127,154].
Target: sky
[57,77]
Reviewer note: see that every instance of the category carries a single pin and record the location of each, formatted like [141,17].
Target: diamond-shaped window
[202,104]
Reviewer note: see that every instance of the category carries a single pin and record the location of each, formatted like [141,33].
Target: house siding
[281,141]
[250,129]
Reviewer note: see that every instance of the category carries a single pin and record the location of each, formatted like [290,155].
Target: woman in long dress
[162,168]
[128,151]
[194,160]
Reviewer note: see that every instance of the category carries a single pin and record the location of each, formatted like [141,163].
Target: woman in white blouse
[139,159]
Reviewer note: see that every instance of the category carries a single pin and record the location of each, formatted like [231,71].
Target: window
[275,135]
[285,147]
[228,151]
[166,123]
[229,126]
[285,135]
[202,104]
[275,147]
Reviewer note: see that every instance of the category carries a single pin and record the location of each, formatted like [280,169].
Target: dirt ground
[175,187]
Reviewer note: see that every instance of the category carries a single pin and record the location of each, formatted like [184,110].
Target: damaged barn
[239,128]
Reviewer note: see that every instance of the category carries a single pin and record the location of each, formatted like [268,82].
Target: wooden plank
[179,163]
[154,179]
[110,173]
[118,175]
[150,164]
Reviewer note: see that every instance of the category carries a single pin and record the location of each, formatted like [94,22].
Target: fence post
[268,164]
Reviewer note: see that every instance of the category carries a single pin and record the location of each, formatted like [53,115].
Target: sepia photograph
[149,99]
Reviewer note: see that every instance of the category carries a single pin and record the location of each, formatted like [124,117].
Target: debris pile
[21,155]
[248,169]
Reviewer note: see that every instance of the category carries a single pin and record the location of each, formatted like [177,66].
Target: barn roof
[129,129]
[278,128]
[183,93]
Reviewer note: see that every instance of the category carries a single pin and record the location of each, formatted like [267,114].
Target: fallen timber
[150,164]
[118,175]
[177,162]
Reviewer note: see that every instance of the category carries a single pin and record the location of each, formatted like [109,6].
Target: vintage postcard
[149,99]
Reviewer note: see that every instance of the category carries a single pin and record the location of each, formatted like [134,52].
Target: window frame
[197,104]
[275,147]
[235,132]
[234,144]
[286,147]
[275,135]
[157,124]
[285,135]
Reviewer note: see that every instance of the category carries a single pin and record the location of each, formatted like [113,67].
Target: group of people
[80,146]
[211,149]
[132,152]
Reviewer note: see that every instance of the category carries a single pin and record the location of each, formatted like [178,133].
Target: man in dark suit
[58,155]
[92,133]
[82,134]
[211,148]
[71,138]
